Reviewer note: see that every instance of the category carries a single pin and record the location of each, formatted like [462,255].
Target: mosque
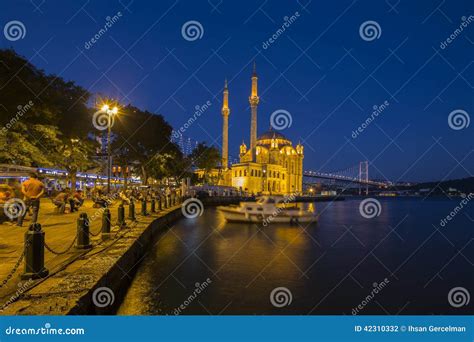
[270,165]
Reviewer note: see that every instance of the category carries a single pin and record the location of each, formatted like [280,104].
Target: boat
[266,210]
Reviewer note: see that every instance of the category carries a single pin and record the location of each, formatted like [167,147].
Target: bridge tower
[364,176]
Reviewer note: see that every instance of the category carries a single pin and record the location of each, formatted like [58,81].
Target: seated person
[76,200]
[60,200]
[100,200]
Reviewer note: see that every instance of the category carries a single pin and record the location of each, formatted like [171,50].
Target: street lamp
[110,114]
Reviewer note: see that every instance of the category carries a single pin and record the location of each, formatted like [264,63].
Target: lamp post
[110,113]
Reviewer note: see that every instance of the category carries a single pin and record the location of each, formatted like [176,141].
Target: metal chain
[15,268]
[63,252]
[92,234]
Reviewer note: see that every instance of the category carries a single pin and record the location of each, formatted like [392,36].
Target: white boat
[266,210]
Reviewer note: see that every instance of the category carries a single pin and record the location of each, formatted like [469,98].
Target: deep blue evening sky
[320,70]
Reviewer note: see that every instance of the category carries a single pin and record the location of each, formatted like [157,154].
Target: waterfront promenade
[60,253]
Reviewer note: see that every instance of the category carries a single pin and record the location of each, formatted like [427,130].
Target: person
[32,190]
[61,199]
[76,200]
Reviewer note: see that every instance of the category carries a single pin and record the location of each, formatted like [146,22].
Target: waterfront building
[270,165]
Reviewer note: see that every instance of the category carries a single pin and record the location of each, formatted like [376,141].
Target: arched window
[240,173]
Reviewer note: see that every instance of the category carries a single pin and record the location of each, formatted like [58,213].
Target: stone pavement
[60,232]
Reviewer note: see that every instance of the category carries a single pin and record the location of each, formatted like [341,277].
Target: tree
[141,138]
[39,113]
[206,158]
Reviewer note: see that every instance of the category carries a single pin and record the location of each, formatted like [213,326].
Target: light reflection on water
[328,266]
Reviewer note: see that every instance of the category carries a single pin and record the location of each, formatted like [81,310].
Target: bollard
[144,207]
[131,211]
[34,253]
[121,216]
[152,206]
[160,206]
[83,232]
[105,224]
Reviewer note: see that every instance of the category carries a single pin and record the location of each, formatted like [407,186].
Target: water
[330,267]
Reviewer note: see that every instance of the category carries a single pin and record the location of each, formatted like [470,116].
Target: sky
[324,71]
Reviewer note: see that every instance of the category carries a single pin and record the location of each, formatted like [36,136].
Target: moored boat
[266,210]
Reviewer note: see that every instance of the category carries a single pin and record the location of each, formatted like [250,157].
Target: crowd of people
[67,200]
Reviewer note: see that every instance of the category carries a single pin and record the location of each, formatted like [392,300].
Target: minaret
[225,127]
[253,99]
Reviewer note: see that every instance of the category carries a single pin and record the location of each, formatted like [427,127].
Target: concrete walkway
[60,231]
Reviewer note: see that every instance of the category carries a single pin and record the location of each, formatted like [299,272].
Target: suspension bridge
[357,174]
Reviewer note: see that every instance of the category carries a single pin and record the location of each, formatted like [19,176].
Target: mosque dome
[266,138]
